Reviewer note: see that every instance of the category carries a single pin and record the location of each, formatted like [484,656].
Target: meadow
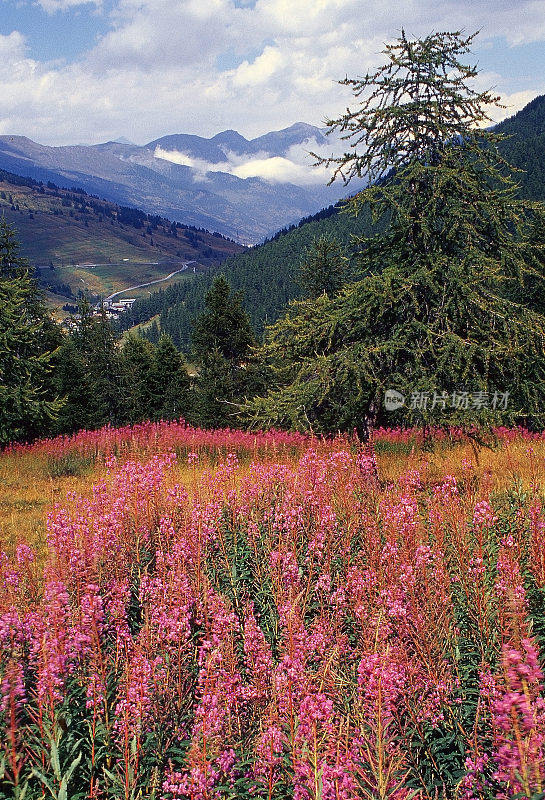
[223,614]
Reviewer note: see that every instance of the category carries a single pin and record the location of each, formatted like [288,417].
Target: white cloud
[54,6]
[278,169]
[295,167]
[183,159]
[155,71]
[261,70]
[12,46]
[512,103]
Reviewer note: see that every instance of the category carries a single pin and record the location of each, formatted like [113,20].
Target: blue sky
[87,72]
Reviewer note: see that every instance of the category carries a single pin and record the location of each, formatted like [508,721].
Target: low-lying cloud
[295,167]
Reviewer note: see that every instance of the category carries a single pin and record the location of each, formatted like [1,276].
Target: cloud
[156,70]
[295,167]
[183,159]
[54,6]
[12,47]
[154,34]
[512,104]
[277,169]
[261,70]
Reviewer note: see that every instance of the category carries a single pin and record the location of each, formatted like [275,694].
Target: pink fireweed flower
[518,719]
[12,688]
[117,598]
[382,679]
[270,746]
[447,489]
[87,634]
[367,465]
[53,647]
[134,705]
[513,604]
[315,710]
[258,656]
[473,784]
[483,515]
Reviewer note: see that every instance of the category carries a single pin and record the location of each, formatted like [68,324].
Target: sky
[77,72]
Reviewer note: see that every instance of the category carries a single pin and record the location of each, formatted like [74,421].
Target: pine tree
[88,373]
[169,382]
[28,406]
[152,333]
[440,316]
[137,360]
[223,325]
[324,268]
[222,339]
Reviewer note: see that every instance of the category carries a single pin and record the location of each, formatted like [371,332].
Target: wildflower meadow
[220,614]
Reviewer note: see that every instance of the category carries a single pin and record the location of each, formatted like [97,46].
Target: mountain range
[67,227]
[244,189]
[267,275]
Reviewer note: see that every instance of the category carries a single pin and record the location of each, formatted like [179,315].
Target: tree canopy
[28,337]
[444,315]
[222,343]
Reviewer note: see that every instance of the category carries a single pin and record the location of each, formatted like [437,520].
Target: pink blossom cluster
[518,718]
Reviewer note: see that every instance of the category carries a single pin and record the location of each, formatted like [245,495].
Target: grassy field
[32,482]
[105,279]
[47,236]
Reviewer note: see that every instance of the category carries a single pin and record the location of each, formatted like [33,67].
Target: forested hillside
[525,148]
[61,230]
[267,274]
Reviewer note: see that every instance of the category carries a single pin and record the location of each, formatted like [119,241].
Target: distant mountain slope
[59,228]
[268,273]
[246,189]
[526,147]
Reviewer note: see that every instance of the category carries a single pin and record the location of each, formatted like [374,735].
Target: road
[150,283]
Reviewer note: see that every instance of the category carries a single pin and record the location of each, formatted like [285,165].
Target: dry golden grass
[31,484]
[500,467]
[29,488]
[27,491]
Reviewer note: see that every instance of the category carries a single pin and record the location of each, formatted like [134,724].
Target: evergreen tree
[324,268]
[439,316]
[88,373]
[221,344]
[170,382]
[152,334]
[72,380]
[137,359]
[223,326]
[28,405]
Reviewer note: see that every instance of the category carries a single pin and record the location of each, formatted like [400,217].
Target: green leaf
[44,780]
[55,763]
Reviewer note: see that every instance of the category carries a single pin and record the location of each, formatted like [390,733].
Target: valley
[77,242]
[272,457]
[245,189]
[268,273]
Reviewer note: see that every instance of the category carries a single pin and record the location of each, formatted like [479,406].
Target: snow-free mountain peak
[245,189]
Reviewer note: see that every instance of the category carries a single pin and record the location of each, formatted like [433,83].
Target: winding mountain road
[150,283]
